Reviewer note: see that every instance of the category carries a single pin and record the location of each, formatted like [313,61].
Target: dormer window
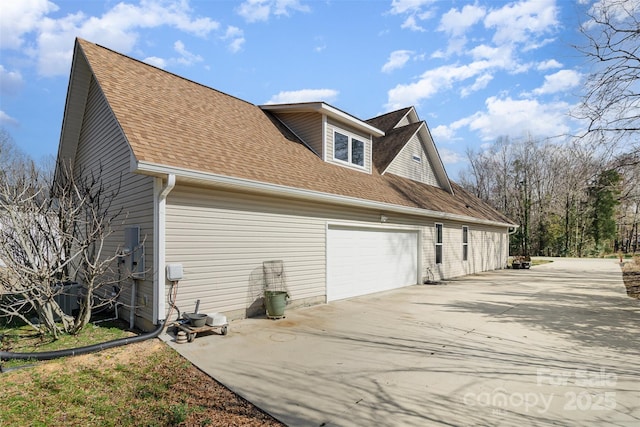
[348,149]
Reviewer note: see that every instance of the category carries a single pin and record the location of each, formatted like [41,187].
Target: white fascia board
[324,108]
[242,184]
[441,172]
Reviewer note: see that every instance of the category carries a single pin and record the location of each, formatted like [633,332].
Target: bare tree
[611,103]
[50,236]
[543,187]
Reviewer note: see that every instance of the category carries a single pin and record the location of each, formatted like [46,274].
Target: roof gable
[388,121]
[77,93]
[386,149]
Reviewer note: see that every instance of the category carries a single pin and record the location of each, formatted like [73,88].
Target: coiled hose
[47,355]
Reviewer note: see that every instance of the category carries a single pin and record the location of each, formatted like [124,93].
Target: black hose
[47,355]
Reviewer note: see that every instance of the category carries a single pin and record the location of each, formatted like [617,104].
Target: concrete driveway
[554,345]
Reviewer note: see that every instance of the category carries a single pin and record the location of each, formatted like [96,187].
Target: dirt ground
[631,277]
[223,407]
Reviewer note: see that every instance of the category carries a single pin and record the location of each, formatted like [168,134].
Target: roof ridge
[388,113]
[162,70]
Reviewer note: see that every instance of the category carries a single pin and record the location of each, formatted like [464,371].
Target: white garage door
[363,261]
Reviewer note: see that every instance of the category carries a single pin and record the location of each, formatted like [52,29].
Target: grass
[142,384]
[23,339]
[131,394]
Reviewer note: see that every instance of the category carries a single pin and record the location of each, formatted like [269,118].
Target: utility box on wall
[174,272]
[134,252]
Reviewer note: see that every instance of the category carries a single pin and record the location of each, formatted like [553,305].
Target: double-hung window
[465,243]
[348,149]
[438,243]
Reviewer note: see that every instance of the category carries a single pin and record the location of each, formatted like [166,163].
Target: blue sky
[474,70]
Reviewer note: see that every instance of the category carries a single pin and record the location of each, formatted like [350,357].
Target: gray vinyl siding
[404,165]
[222,238]
[487,249]
[307,126]
[405,121]
[491,249]
[102,146]
[333,126]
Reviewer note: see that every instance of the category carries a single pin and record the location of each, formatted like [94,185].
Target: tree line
[579,197]
[566,201]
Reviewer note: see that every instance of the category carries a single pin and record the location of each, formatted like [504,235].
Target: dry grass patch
[631,277]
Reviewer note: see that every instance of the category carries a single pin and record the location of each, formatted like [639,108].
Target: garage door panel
[361,261]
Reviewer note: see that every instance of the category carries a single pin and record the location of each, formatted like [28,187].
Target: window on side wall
[438,243]
[465,242]
[348,149]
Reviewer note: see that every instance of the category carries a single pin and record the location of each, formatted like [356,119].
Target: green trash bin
[275,302]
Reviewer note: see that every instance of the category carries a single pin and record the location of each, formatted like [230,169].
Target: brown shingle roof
[388,121]
[387,147]
[171,121]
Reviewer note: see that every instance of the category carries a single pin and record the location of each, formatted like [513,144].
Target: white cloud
[397,59]
[415,11]
[450,157]
[499,58]
[517,22]
[255,10]
[261,10]
[616,11]
[436,80]
[411,24]
[304,95]
[480,83]
[19,18]
[549,64]
[456,22]
[186,57]
[399,7]
[561,81]
[156,62]
[442,133]
[10,81]
[236,39]
[516,117]
[6,119]
[116,28]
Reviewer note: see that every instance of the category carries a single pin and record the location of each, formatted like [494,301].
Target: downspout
[161,191]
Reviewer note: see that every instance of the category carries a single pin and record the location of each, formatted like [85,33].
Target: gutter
[160,193]
[284,191]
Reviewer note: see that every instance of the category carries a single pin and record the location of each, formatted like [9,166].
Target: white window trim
[465,244]
[351,137]
[441,244]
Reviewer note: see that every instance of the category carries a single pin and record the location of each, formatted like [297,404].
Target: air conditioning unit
[67,296]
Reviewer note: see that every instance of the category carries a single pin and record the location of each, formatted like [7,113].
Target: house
[220,185]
